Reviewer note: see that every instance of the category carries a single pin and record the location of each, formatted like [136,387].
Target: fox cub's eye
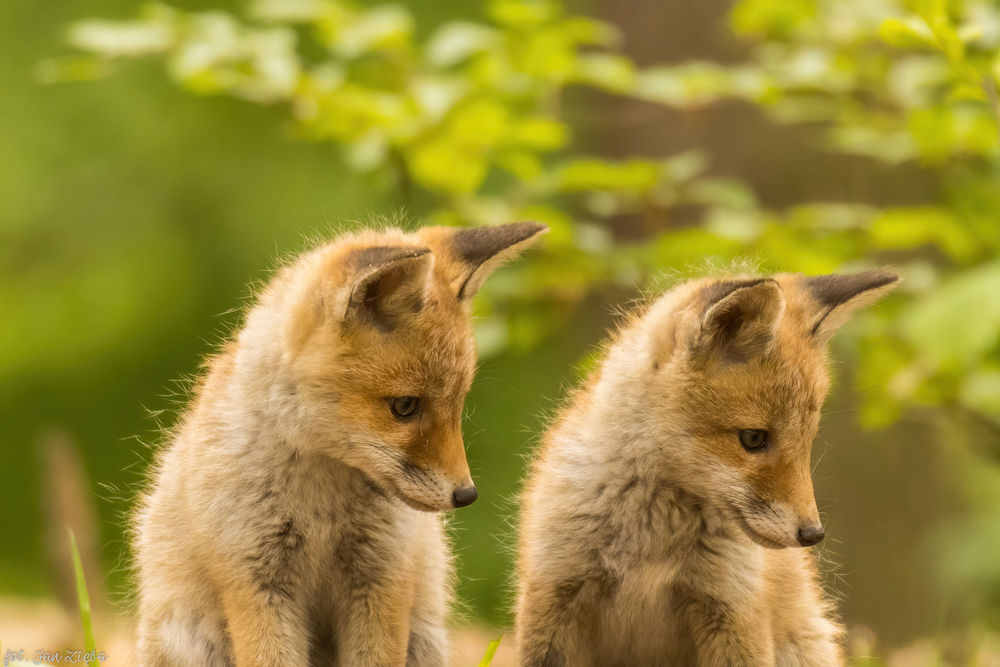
[404,406]
[753,439]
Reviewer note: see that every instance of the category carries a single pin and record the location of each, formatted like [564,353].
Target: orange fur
[650,535]
[289,520]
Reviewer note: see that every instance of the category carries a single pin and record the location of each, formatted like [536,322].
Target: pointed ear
[740,318]
[387,283]
[836,296]
[471,255]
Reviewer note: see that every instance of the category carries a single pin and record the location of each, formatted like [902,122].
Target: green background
[134,218]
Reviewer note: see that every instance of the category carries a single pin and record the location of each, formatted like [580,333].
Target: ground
[44,625]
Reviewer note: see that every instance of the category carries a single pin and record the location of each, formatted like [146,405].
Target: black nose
[810,535]
[464,496]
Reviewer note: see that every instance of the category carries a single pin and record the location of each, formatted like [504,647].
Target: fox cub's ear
[836,296]
[387,283]
[375,286]
[739,319]
[468,256]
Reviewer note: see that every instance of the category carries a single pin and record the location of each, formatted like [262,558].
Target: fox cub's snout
[742,364]
[380,351]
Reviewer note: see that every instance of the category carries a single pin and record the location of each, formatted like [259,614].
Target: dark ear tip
[475,245]
[834,289]
[879,278]
[525,230]
[886,276]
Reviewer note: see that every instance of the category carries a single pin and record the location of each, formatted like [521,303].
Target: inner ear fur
[740,319]
[835,297]
[469,256]
[370,286]
[387,283]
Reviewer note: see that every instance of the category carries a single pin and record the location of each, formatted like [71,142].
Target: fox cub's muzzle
[464,496]
[811,534]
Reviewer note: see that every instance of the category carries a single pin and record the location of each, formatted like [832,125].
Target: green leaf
[482,123]
[548,57]
[292,11]
[524,165]
[121,38]
[661,84]
[916,80]
[891,145]
[970,32]
[438,96]
[941,133]
[685,166]
[522,14]
[877,364]
[906,33]
[368,152]
[607,71]
[384,27]
[727,193]
[539,133]
[686,247]
[589,31]
[83,599]
[491,338]
[455,41]
[960,321]
[491,651]
[695,84]
[445,165]
[965,91]
[741,226]
[65,70]
[981,391]
[908,228]
[593,174]
[216,53]
[776,18]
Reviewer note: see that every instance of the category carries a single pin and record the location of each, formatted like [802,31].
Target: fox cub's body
[289,520]
[655,516]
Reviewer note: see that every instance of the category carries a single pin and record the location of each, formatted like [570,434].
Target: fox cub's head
[740,378]
[379,348]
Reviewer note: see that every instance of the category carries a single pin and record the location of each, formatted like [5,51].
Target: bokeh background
[156,164]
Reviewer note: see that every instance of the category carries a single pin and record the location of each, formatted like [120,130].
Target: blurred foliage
[468,125]
[912,80]
[133,215]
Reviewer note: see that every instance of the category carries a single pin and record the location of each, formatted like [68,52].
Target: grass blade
[491,651]
[90,644]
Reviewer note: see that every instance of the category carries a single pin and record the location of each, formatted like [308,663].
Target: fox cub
[289,520]
[656,516]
